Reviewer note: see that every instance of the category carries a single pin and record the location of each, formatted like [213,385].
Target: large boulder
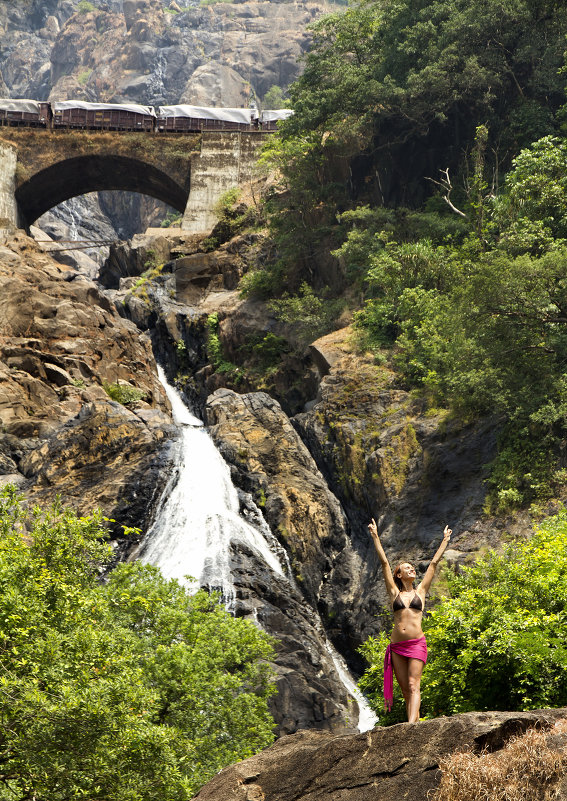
[389,764]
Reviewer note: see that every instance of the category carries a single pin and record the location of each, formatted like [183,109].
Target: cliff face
[147,51]
[60,342]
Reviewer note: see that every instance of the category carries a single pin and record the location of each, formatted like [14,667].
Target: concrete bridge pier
[227,159]
[9,214]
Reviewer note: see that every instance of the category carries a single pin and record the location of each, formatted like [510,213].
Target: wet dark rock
[310,692]
[270,461]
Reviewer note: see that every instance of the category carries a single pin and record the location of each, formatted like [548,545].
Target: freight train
[65,114]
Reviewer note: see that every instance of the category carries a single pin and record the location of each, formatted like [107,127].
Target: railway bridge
[40,169]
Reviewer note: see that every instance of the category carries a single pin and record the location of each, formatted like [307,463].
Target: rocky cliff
[61,344]
[151,52]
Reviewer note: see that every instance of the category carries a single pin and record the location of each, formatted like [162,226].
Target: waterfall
[367,719]
[198,518]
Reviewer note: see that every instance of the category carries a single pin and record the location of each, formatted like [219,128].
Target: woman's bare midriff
[407,625]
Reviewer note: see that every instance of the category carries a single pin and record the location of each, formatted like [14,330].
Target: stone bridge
[40,169]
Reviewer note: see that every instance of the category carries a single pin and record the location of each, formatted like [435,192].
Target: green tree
[496,641]
[275,98]
[395,90]
[531,212]
[309,315]
[130,689]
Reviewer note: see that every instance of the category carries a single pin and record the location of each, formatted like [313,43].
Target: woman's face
[406,572]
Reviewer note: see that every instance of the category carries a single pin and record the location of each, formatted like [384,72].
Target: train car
[31,113]
[269,119]
[185,118]
[103,116]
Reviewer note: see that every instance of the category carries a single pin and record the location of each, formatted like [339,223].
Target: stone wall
[226,160]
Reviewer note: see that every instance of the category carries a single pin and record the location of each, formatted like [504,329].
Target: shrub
[496,641]
[84,7]
[124,393]
[310,315]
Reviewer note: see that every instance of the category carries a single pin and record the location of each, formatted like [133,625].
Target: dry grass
[528,768]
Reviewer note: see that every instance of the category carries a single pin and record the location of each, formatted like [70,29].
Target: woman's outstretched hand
[373,529]
[447,534]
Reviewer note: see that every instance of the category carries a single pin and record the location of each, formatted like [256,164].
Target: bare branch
[447,186]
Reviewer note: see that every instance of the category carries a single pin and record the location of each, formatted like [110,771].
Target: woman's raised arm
[386,569]
[430,572]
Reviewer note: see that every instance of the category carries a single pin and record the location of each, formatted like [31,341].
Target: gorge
[371,326]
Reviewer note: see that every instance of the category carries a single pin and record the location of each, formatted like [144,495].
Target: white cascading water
[198,518]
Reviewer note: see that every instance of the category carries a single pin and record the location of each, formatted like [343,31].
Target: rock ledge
[386,764]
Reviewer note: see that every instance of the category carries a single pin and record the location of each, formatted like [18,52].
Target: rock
[310,693]
[76,259]
[216,85]
[61,341]
[386,764]
[270,461]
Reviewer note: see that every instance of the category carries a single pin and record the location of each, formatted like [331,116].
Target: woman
[407,651]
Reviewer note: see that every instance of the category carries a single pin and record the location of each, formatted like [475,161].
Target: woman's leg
[415,669]
[401,665]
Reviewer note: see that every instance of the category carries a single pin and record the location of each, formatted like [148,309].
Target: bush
[528,768]
[124,393]
[84,7]
[310,315]
[131,690]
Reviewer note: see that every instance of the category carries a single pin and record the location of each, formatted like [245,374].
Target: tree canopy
[130,688]
[411,153]
[496,639]
[399,87]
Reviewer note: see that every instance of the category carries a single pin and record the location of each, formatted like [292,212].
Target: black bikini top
[415,603]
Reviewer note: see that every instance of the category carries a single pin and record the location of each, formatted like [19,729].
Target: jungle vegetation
[115,684]
[427,154]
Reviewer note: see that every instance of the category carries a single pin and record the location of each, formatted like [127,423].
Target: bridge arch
[92,173]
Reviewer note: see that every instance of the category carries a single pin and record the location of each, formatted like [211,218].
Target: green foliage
[266,351]
[310,315]
[275,98]
[394,91]
[531,214]
[84,7]
[83,76]
[124,393]
[215,350]
[172,219]
[131,690]
[233,217]
[496,642]
[226,202]
[263,282]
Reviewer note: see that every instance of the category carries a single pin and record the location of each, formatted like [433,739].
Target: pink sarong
[413,649]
